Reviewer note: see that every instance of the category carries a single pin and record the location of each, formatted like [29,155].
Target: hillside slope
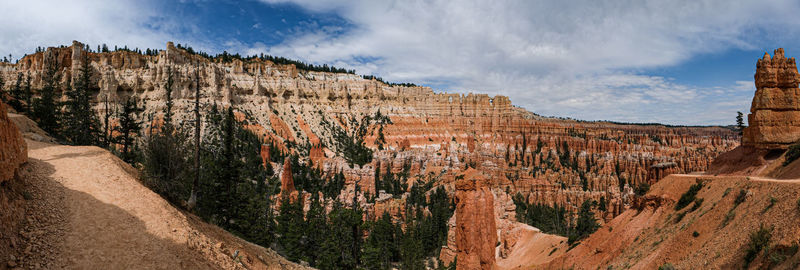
[657,234]
[86,210]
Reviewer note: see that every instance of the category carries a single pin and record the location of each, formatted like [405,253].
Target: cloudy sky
[677,62]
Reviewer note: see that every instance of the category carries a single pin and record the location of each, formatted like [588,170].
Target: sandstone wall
[13,149]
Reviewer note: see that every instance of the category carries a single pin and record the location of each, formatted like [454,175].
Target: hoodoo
[476,232]
[287,182]
[774,119]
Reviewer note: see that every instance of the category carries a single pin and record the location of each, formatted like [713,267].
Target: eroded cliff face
[13,149]
[774,119]
[433,137]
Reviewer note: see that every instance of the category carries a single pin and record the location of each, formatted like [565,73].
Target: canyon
[481,150]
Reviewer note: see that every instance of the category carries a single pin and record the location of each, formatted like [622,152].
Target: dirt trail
[111,221]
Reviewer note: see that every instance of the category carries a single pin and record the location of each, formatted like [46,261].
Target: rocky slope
[432,136]
[715,235]
[742,217]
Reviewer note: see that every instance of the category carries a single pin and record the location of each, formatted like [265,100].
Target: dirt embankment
[715,235]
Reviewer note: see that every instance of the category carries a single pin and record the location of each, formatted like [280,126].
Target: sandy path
[113,222]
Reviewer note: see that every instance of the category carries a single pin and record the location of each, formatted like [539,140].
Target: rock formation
[287,182]
[433,137]
[13,149]
[476,233]
[774,122]
[774,119]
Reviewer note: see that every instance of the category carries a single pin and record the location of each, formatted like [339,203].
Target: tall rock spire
[774,119]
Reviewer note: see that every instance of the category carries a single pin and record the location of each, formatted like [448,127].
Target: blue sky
[676,62]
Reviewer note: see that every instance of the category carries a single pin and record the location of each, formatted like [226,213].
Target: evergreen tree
[165,155]
[291,227]
[45,109]
[106,138]
[334,186]
[380,248]
[740,121]
[81,126]
[316,229]
[127,130]
[195,185]
[18,99]
[586,223]
[411,250]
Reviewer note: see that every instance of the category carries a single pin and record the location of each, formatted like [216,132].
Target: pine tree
[81,126]
[127,130]
[586,223]
[740,121]
[106,138]
[18,100]
[195,185]
[165,155]
[45,109]
[380,248]
[316,229]
[291,227]
[411,250]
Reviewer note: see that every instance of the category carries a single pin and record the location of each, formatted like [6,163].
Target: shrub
[772,201]
[728,217]
[758,241]
[697,203]
[680,216]
[689,196]
[666,266]
[798,203]
[695,234]
[792,154]
[727,190]
[642,189]
[740,197]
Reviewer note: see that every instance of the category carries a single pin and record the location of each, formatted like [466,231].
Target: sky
[674,62]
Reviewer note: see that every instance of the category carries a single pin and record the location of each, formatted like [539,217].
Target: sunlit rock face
[774,119]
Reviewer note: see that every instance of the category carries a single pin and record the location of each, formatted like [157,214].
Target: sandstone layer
[774,119]
[476,233]
[13,149]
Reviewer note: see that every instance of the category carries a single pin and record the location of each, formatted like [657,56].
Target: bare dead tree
[193,198]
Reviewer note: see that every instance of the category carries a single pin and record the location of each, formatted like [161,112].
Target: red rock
[13,149]
[774,119]
[476,233]
[287,182]
[264,155]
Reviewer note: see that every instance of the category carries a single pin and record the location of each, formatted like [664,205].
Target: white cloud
[583,59]
[26,25]
[570,58]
